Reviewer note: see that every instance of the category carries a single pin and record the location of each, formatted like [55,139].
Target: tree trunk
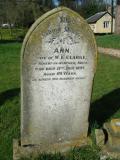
[117,18]
[0,35]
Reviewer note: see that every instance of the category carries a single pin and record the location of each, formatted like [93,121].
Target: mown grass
[12,34]
[109,41]
[9,97]
[105,101]
[84,153]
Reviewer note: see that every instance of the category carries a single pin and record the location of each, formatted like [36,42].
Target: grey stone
[58,64]
[103,157]
[100,137]
[112,146]
[33,151]
[113,131]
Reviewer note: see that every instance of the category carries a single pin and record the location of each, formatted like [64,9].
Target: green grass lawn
[109,41]
[9,97]
[12,34]
[105,101]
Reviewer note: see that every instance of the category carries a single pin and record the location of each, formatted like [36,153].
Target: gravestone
[112,145]
[58,65]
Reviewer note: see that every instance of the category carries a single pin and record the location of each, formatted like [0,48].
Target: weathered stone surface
[58,66]
[117,20]
[108,153]
[100,137]
[33,151]
[112,147]
[115,126]
[113,131]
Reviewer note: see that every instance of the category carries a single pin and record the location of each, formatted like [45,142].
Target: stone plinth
[34,151]
[112,147]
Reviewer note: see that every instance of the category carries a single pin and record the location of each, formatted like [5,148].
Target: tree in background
[117,22]
[11,12]
[85,7]
[90,7]
[23,13]
[2,12]
[39,7]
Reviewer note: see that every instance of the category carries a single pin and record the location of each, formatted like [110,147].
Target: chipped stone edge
[33,151]
[106,151]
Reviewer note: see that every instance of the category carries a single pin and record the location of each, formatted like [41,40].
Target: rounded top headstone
[81,22]
[58,65]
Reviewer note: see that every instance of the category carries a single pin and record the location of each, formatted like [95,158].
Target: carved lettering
[61,50]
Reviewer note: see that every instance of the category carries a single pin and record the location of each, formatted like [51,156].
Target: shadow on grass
[100,110]
[104,108]
[10,41]
[7,95]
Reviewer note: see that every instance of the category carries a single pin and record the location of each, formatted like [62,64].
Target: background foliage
[22,13]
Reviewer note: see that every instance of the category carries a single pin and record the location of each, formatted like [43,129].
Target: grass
[9,66]
[109,41]
[85,153]
[9,97]
[13,34]
[105,101]
[106,90]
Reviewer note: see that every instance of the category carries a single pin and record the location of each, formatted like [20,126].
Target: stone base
[34,151]
[112,147]
[107,152]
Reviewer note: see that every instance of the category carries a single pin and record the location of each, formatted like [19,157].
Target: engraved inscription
[63,62]
[60,67]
